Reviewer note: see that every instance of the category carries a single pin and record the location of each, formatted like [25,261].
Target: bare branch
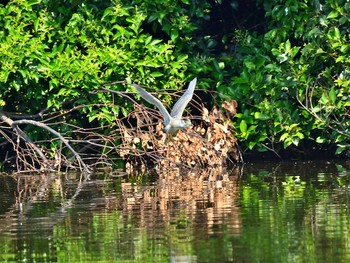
[65,141]
[25,137]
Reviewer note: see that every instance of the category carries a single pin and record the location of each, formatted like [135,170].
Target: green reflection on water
[285,213]
[297,218]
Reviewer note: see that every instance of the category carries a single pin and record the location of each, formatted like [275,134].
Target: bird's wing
[153,100]
[181,104]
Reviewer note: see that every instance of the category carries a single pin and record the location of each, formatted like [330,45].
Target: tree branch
[25,137]
[64,140]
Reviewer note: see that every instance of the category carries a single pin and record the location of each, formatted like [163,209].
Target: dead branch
[25,137]
[65,141]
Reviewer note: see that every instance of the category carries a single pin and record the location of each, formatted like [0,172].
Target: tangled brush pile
[210,142]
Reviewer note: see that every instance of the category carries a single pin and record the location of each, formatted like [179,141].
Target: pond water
[267,212]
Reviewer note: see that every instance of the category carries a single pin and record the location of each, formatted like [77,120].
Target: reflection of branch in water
[36,189]
[69,202]
[202,193]
[185,204]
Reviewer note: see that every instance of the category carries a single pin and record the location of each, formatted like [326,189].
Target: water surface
[268,212]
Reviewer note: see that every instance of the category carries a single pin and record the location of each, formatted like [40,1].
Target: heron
[173,122]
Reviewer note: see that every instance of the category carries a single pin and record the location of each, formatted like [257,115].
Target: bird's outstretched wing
[153,100]
[181,104]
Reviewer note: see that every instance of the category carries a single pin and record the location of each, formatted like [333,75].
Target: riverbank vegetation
[285,64]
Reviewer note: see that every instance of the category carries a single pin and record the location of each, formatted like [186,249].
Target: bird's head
[187,124]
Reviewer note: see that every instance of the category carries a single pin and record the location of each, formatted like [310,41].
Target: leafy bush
[294,82]
[47,60]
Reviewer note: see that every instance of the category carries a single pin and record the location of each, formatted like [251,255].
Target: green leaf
[316,109]
[124,111]
[261,116]
[294,51]
[243,126]
[251,144]
[36,24]
[324,99]
[182,58]
[23,73]
[333,14]
[332,95]
[156,74]
[282,58]
[284,136]
[174,34]
[287,143]
[343,19]
[250,65]
[320,139]
[339,150]
[155,42]
[295,140]
[299,135]
[107,12]
[337,33]
[148,40]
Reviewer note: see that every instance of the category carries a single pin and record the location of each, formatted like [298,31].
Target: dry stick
[65,141]
[123,94]
[21,133]
[19,156]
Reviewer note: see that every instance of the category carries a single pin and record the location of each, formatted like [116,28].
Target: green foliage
[51,55]
[48,61]
[291,82]
[294,79]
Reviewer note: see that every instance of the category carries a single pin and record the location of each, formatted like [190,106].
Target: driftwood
[140,138]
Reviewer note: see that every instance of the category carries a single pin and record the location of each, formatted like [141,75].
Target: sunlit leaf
[337,33]
[320,139]
[284,136]
[294,51]
[182,58]
[333,14]
[106,13]
[261,116]
[340,150]
[243,126]
[156,74]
